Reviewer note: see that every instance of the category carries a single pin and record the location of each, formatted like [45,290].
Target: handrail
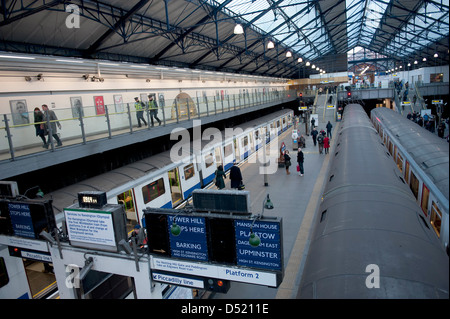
[20,141]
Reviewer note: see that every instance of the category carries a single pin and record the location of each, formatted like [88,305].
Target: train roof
[369,219]
[132,172]
[428,150]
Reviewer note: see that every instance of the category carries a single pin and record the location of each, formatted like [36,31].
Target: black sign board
[215,238]
[26,218]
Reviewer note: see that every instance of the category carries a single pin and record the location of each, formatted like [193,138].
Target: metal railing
[81,125]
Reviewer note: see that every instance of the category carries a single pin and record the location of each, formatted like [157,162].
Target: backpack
[320,139]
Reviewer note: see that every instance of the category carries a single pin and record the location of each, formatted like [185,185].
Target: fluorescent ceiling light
[270,45]
[16,57]
[69,61]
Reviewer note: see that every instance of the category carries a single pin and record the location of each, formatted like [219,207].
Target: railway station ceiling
[200,34]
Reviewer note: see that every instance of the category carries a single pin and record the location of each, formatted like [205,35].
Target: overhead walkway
[89,131]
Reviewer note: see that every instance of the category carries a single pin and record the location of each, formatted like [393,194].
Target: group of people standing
[322,138]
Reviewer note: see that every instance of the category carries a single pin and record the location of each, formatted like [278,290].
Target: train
[162,180]
[423,159]
[370,239]
[159,181]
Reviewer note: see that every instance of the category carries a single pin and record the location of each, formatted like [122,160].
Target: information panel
[94,227]
[268,254]
[21,221]
[191,242]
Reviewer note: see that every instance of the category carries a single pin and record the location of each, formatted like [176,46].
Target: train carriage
[369,237]
[423,159]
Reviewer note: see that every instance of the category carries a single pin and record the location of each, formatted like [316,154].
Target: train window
[245,141]
[414,185]
[425,198]
[153,190]
[228,150]
[189,171]
[436,218]
[407,173]
[209,159]
[391,148]
[4,278]
[400,162]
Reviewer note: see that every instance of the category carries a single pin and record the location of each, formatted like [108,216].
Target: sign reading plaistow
[268,254]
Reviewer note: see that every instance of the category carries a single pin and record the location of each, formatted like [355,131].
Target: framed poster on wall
[77,106]
[19,112]
[99,105]
[118,103]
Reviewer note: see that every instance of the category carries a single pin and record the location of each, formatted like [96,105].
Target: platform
[295,199]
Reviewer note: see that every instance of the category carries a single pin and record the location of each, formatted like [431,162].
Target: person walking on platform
[313,121]
[287,161]
[329,127]
[219,176]
[50,116]
[235,176]
[139,106]
[153,107]
[300,159]
[320,141]
[314,135]
[39,117]
[326,144]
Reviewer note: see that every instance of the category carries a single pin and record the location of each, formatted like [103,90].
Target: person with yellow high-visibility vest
[139,106]
[153,107]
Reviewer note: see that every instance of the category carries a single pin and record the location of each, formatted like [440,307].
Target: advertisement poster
[99,105]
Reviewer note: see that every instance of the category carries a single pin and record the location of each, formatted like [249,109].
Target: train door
[237,154]
[244,146]
[257,137]
[175,186]
[425,199]
[218,155]
[128,201]
[208,168]
[190,180]
[228,156]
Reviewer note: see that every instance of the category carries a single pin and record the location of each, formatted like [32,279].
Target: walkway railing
[81,125]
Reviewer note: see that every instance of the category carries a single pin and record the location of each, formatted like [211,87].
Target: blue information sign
[21,221]
[191,242]
[268,254]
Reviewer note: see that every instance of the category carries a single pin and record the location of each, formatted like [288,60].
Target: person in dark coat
[220,175]
[314,136]
[39,117]
[300,159]
[287,161]
[329,127]
[235,176]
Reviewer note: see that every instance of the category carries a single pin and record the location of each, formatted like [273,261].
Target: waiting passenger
[235,176]
[138,235]
[287,161]
[326,144]
[219,176]
[300,160]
